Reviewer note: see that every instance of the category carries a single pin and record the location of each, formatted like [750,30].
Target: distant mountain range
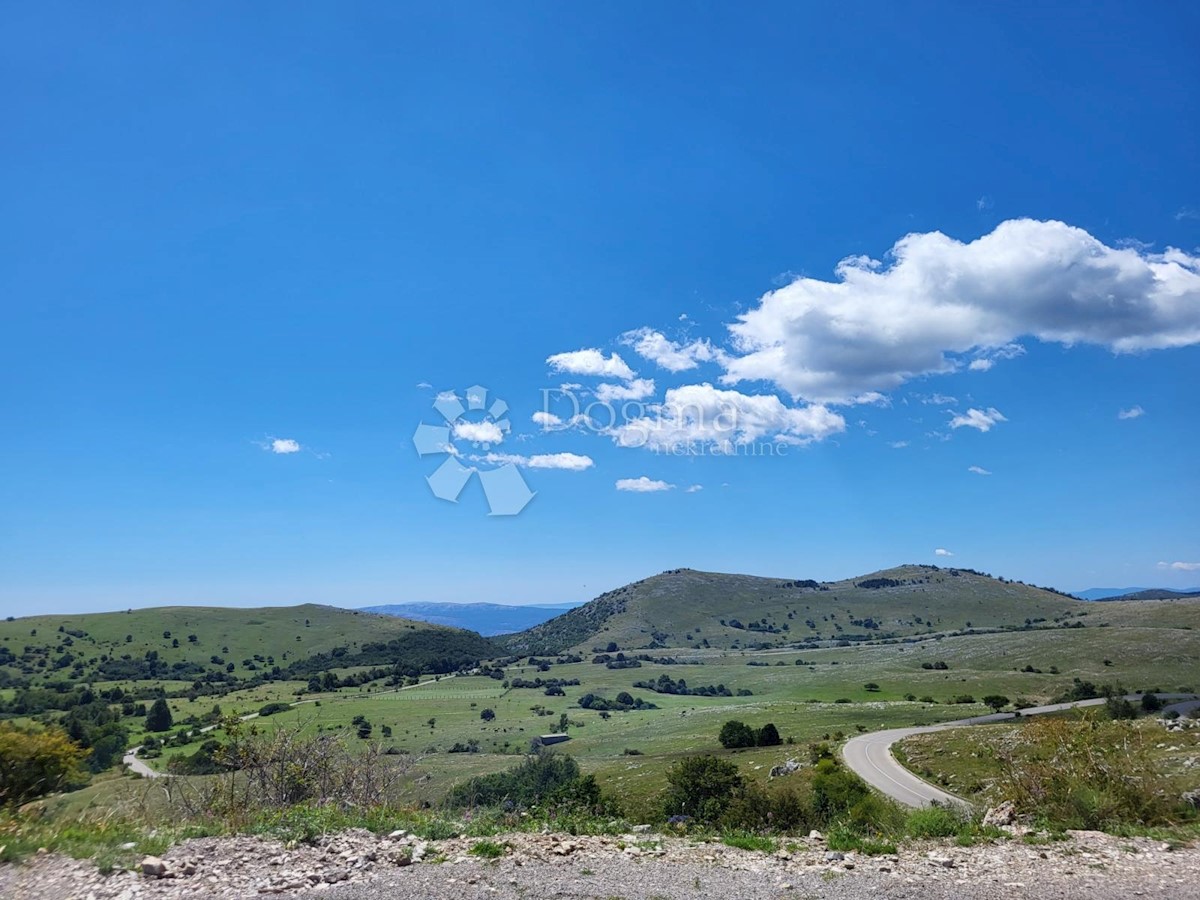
[1137,593]
[485,618]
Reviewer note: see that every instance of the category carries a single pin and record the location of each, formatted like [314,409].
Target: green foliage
[768,736]
[746,841]
[35,762]
[701,787]
[996,702]
[159,718]
[736,735]
[488,849]
[534,780]
[270,709]
[835,790]
[1120,708]
[935,822]
[1151,703]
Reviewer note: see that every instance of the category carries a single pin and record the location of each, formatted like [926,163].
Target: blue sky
[229,232]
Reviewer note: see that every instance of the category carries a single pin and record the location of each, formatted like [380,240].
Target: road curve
[870,755]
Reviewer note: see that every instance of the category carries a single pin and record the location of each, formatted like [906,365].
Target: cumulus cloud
[699,414]
[547,420]
[939,400]
[478,432]
[978,418]
[978,470]
[642,485]
[1133,412]
[637,389]
[283,446]
[572,462]
[942,551]
[695,488]
[1180,566]
[938,299]
[590,362]
[898,445]
[667,354]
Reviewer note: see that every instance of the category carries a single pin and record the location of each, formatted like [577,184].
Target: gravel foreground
[357,865]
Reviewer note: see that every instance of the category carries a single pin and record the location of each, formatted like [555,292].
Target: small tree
[33,763]
[701,787]
[487,715]
[995,701]
[736,735]
[1151,703]
[768,736]
[159,718]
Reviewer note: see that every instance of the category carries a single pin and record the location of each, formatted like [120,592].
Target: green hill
[685,607]
[220,643]
[1153,594]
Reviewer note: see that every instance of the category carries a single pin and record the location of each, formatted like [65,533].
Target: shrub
[835,791]
[736,735]
[934,822]
[33,763]
[159,718]
[1151,703]
[768,736]
[532,781]
[701,787]
[271,708]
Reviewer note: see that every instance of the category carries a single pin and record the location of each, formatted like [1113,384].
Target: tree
[33,763]
[487,715]
[871,686]
[1151,703]
[768,736]
[701,787]
[995,701]
[159,718]
[736,735]
[364,729]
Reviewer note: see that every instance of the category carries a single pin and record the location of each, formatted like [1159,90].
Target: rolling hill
[486,618]
[219,643]
[685,607]
[1137,593]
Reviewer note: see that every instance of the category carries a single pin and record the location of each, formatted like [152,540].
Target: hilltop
[685,607]
[220,644]
[1153,594]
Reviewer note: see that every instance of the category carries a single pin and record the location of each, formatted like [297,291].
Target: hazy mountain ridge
[487,619]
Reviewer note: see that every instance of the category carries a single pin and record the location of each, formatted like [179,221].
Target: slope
[485,618]
[187,643]
[685,607]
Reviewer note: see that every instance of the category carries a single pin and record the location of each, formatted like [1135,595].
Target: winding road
[870,755]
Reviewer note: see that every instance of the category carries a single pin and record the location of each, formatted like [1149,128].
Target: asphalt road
[870,755]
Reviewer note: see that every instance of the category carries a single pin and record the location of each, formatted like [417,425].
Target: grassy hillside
[684,607]
[186,643]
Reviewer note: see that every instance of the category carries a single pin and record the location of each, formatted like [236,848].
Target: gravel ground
[357,865]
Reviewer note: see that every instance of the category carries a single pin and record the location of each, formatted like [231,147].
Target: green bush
[934,822]
[736,735]
[534,780]
[701,787]
[835,791]
[271,709]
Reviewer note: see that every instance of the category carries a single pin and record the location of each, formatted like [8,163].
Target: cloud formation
[1181,566]
[590,362]
[572,462]
[942,551]
[1134,412]
[978,470]
[937,299]
[702,415]
[667,354]
[636,389]
[642,485]
[283,446]
[485,432]
[981,419]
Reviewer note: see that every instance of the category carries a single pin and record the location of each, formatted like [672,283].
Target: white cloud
[667,354]
[642,485]
[424,385]
[877,325]
[479,432]
[547,420]
[1133,412]
[983,203]
[939,400]
[283,446]
[637,389]
[694,489]
[981,365]
[978,418]
[942,551]
[572,462]
[978,470]
[590,362]
[702,415]
[898,445]
[1181,566]
[1187,212]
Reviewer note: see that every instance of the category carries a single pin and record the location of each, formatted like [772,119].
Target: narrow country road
[870,755]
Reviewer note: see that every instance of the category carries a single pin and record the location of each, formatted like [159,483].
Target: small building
[545,740]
